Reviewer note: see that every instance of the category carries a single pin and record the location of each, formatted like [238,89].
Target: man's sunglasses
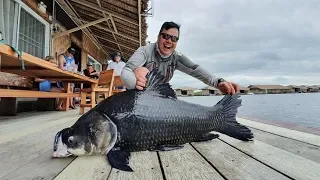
[168,36]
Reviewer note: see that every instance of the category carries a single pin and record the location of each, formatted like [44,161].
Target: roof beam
[114,27]
[115,38]
[80,27]
[71,14]
[112,31]
[110,48]
[114,42]
[110,13]
[99,3]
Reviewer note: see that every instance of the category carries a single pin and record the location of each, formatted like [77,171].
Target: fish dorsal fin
[156,82]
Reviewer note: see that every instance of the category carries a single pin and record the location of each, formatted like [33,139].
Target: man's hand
[140,74]
[228,87]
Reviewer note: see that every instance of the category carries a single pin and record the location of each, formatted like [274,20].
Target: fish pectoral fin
[156,82]
[207,137]
[119,159]
[237,131]
[165,147]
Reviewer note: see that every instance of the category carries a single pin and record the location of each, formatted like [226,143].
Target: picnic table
[31,66]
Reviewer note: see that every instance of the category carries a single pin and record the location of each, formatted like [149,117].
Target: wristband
[220,80]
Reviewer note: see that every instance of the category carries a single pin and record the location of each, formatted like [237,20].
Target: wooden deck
[276,153]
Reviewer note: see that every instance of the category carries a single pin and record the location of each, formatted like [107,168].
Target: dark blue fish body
[154,117]
[151,119]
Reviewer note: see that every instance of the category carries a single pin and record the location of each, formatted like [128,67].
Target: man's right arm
[138,59]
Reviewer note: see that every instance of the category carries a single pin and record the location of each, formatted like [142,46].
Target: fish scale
[164,121]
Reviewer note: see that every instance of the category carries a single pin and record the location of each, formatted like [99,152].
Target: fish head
[68,143]
[92,136]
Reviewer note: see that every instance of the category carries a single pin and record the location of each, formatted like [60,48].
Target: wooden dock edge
[288,133]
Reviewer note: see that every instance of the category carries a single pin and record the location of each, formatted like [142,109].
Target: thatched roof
[186,88]
[313,87]
[209,88]
[299,87]
[268,87]
[120,32]
[244,88]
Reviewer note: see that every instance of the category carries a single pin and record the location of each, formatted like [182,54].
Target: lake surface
[299,111]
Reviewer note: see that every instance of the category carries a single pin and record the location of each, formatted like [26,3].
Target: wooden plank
[31,130]
[234,164]
[293,134]
[10,126]
[10,58]
[145,166]
[86,167]
[18,152]
[186,163]
[286,162]
[42,167]
[33,118]
[35,94]
[50,75]
[299,148]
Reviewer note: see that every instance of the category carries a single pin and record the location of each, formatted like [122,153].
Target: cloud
[246,41]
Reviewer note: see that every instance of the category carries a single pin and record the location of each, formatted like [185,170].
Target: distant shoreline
[248,94]
[292,126]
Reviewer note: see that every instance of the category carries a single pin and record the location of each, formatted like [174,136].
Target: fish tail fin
[229,105]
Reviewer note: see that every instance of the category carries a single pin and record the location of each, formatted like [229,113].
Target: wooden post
[66,102]
[8,106]
[93,96]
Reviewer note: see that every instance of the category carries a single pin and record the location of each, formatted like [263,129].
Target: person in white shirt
[117,64]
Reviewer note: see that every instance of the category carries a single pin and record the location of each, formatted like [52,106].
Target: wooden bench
[104,86]
[9,98]
[35,94]
[116,83]
[34,67]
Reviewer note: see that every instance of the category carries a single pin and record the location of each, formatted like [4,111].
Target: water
[299,111]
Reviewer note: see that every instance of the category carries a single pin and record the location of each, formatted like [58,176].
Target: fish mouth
[57,155]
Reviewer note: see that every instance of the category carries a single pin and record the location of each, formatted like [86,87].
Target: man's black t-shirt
[86,73]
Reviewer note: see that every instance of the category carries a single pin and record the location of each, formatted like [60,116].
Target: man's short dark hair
[116,54]
[71,50]
[169,25]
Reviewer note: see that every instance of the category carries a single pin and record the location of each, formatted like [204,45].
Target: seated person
[66,59]
[90,72]
[117,64]
[66,62]
[50,86]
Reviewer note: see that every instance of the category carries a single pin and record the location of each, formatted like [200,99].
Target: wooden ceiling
[121,29]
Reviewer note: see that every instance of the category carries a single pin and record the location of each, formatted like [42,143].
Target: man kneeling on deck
[162,54]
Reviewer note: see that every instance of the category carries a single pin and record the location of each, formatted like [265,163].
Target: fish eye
[71,140]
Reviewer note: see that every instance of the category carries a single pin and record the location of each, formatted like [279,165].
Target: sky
[245,41]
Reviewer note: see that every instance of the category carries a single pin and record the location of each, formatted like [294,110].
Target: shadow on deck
[26,143]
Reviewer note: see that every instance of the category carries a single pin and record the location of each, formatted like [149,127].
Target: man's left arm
[187,66]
